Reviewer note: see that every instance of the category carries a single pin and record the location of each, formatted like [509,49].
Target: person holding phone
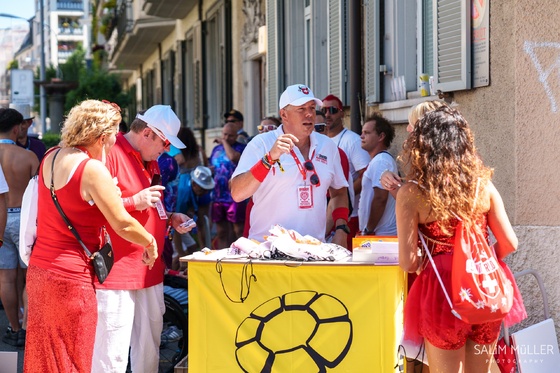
[130,302]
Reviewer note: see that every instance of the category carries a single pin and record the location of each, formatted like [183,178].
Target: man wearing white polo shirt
[288,172]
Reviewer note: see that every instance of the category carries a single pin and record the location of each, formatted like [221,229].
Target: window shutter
[178,79]
[371,51]
[452,45]
[197,79]
[272,58]
[338,48]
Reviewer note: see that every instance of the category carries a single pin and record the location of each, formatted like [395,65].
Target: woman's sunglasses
[266,127]
[320,127]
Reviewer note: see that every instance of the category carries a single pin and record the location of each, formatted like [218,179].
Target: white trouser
[128,318]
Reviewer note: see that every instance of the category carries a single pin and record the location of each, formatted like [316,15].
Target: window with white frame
[215,77]
[302,48]
[407,38]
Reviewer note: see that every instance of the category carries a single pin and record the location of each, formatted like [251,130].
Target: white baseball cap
[23,109]
[297,95]
[162,118]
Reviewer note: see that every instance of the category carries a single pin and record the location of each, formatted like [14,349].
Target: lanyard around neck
[302,170]
[7,141]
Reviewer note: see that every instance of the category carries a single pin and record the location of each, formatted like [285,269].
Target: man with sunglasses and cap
[130,301]
[288,172]
[236,118]
[350,143]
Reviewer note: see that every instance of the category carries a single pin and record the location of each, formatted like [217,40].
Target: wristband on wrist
[150,244]
[269,158]
[259,171]
[128,203]
[266,163]
[340,213]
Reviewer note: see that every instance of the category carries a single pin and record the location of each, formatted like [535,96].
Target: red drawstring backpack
[480,290]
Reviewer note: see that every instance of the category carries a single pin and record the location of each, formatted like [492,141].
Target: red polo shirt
[134,175]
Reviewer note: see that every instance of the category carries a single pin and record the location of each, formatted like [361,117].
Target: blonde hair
[88,121]
[422,108]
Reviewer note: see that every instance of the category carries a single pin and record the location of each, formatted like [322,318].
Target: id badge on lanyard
[305,197]
[304,192]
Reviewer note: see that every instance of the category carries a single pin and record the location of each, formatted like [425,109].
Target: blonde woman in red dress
[62,304]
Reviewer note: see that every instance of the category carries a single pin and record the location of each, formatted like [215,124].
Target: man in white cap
[130,302]
[289,171]
[25,141]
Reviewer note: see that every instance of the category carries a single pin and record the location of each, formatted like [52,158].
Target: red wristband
[340,213]
[128,203]
[259,171]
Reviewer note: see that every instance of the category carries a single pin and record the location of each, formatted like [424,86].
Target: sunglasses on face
[232,120]
[166,143]
[314,179]
[330,109]
[320,127]
[266,127]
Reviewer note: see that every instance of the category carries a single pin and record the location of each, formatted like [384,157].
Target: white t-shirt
[358,158]
[276,200]
[3,184]
[387,225]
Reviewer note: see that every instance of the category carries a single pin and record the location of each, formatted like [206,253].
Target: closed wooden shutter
[272,64]
[452,45]
[198,75]
[372,51]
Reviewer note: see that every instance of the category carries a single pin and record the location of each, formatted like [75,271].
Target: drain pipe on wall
[355,68]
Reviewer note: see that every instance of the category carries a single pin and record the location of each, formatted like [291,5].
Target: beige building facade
[205,57]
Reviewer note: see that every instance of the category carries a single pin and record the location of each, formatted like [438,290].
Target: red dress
[427,313]
[62,305]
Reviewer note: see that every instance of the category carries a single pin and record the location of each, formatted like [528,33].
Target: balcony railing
[70,5]
[70,31]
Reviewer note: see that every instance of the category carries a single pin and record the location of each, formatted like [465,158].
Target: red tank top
[56,248]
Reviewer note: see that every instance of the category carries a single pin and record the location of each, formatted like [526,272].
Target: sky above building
[20,8]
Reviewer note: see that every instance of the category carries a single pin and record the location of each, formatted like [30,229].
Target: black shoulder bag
[103,259]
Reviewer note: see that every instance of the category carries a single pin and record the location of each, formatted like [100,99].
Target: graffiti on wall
[546,58]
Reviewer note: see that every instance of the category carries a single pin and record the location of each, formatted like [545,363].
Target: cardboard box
[383,250]
[182,366]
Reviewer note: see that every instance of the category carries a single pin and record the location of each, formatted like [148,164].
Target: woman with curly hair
[60,280]
[448,181]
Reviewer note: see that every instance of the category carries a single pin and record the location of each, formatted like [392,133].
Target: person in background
[192,155]
[446,181]
[236,118]
[190,194]
[391,181]
[377,209]
[24,140]
[19,165]
[348,141]
[130,301]
[288,172]
[228,214]
[268,124]
[320,127]
[62,299]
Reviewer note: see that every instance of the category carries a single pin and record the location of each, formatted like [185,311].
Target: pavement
[7,347]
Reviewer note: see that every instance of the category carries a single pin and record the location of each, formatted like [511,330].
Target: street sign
[22,86]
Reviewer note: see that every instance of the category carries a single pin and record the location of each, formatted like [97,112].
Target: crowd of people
[304,170]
